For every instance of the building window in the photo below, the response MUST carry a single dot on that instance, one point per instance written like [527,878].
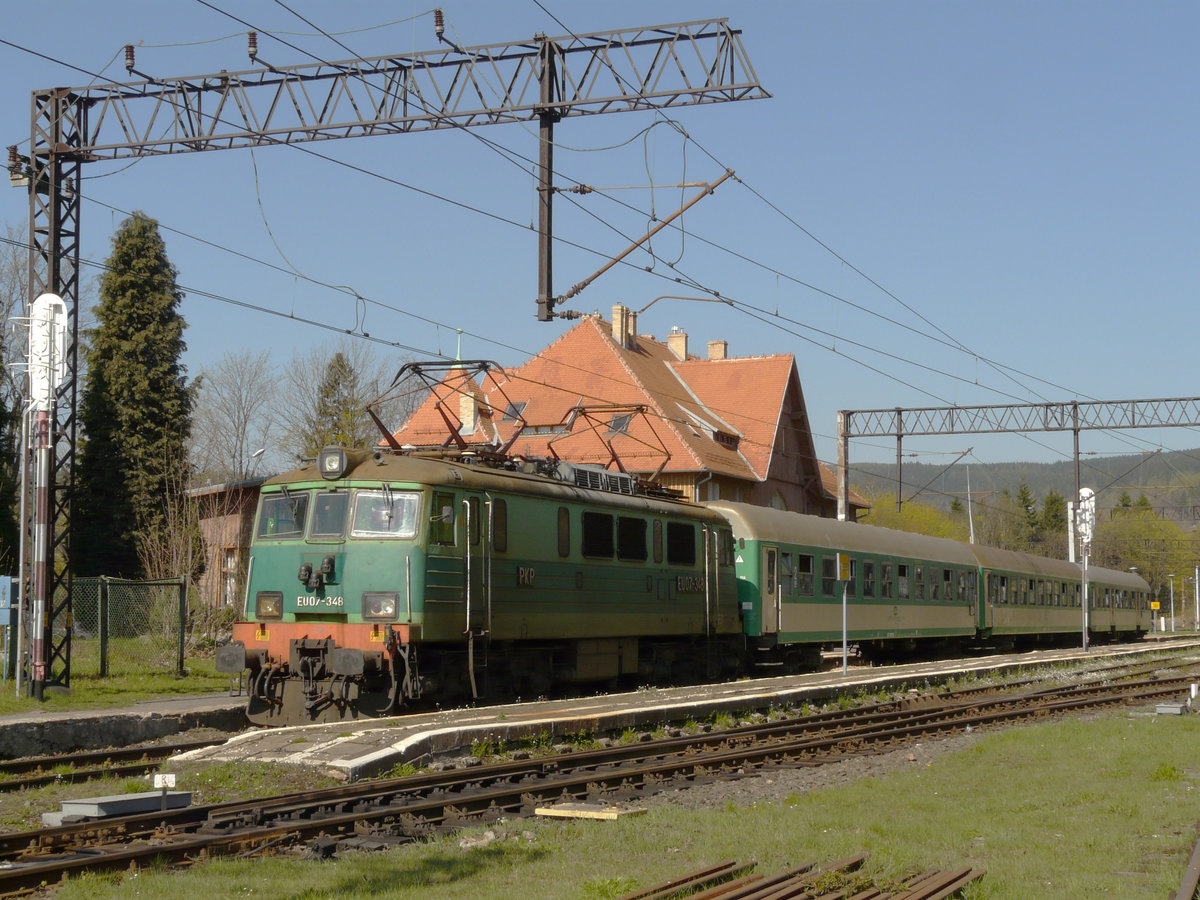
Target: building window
[620,423]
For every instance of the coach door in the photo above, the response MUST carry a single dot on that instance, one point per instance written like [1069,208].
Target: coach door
[770,590]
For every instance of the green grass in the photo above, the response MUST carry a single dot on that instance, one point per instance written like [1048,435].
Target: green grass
[1062,810]
[90,691]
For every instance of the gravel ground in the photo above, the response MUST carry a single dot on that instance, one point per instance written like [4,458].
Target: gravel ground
[773,785]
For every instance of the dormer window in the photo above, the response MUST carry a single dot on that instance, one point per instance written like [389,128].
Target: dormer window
[514,411]
[620,423]
[726,440]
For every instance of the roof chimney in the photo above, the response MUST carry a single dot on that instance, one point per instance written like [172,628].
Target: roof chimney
[718,349]
[620,323]
[466,412]
[677,341]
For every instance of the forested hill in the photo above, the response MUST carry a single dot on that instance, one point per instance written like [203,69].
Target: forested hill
[1168,479]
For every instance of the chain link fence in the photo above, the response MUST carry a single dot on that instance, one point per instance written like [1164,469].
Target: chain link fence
[124,627]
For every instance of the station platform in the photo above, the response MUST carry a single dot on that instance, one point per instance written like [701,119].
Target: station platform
[44,731]
[357,749]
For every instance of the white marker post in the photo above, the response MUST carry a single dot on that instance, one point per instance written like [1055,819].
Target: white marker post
[1085,521]
[164,781]
[843,573]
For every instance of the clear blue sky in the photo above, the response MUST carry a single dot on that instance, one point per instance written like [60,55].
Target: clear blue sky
[1021,175]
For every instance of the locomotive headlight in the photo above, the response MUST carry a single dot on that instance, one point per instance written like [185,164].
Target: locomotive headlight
[379,605]
[332,462]
[268,605]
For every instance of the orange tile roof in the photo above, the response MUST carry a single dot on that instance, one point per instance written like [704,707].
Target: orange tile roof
[685,402]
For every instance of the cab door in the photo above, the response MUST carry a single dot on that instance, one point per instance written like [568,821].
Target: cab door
[769,582]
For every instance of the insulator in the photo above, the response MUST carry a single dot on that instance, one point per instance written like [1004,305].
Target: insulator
[14,161]
[252,48]
[439,22]
[129,57]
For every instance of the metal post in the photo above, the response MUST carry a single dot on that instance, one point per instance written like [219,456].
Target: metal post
[1196,584]
[845,641]
[1171,579]
[19,675]
[1085,596]
[899,439]
[102,623]
[547,116]
[43,558]
[843,501]
[183,611]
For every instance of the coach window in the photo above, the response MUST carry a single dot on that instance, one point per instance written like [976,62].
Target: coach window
[868,579]
[852,584]
[631,538]
[885,590]
[829,576]
[442,531]
[1003,596]
[804,573]
[564,532]
[919,593]
[681,544]
[658,542]
[902,582]
[598,535]
[935,586]
[948,585]
[787,574]
[500,525]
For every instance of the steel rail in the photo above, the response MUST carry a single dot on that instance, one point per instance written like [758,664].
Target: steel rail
[411,809]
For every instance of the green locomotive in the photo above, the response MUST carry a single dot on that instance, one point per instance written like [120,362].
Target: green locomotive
[379,578]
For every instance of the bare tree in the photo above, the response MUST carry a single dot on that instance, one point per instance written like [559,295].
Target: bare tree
[237,418]
[303,384]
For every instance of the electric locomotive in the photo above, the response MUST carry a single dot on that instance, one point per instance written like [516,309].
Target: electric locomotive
[379,578]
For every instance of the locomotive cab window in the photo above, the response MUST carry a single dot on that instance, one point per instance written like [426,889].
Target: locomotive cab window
[681,544]
[283,515]
[442,525]
[329,514]
[385,514]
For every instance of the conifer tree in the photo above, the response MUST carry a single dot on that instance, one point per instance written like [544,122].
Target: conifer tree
[136,406]
[338,417]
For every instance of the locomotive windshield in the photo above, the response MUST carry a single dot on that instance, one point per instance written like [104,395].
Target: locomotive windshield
[329,514]
[283,515]
[389,514]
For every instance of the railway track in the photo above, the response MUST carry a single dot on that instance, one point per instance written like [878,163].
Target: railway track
[34,771]
[379,813]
